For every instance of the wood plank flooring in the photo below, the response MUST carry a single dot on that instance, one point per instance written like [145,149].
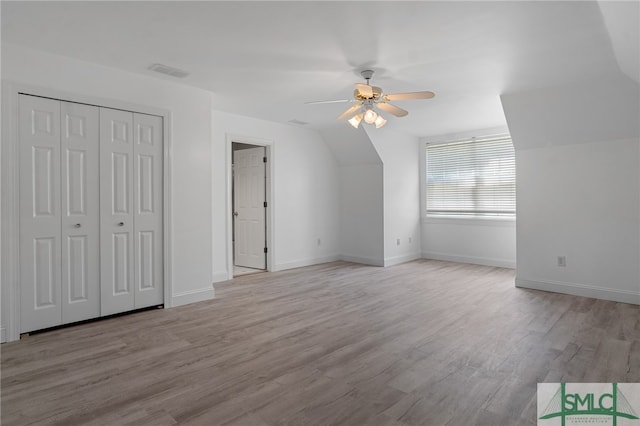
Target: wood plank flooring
[422,343]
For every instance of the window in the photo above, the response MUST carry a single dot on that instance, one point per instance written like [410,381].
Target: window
[471,178]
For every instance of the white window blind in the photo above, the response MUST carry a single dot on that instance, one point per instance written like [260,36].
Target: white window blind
[473,177]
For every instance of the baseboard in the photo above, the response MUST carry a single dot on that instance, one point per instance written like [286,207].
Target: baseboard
[487,261]
[220,276]
[364,260]
[583,290]
[193,296]
[3,335]
[304,262]
[396,260]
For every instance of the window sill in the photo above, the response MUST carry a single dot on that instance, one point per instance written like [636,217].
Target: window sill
[471,220]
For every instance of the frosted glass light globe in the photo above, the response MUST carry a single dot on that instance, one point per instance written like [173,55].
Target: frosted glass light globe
[370,116]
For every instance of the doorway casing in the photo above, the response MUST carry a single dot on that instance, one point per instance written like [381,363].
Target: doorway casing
[269,187]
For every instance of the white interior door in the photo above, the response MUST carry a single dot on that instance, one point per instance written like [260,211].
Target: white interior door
[80,233]
[147,194]
[249,209]
[116,208]
[40,216]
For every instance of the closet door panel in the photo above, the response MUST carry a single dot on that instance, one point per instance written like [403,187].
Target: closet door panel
[147,192]
[40,215]
[116,206]
[80,142]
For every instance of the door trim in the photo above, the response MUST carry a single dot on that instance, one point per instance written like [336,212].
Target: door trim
[9,185]
[270,222]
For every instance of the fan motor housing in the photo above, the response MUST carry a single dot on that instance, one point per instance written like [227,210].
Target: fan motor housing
[377,93]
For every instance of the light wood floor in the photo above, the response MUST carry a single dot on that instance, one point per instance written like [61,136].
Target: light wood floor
[425,342]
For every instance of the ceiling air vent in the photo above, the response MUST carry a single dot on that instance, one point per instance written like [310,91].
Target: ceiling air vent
[296,121]
[165,69]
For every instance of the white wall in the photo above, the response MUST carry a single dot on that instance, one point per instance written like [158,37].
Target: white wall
[362,214]
[361,196]
[489,242]
[621,20]
[483,241]
[401,191]
[306,196]
[578,187]
[190,159]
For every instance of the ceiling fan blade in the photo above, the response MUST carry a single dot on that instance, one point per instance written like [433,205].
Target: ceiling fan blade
[365,90]
[335,101]
[408,96]
[350,111]
[392,109]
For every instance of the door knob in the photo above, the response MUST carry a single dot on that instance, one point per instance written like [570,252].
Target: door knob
[120,223]
[235,214]
[77,225]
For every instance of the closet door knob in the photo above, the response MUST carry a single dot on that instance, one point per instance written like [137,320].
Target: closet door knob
[120,223]
[77,225]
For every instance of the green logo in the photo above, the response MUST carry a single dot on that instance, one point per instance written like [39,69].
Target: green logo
[565,404]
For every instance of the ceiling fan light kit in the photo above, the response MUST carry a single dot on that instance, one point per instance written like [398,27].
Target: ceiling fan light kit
[370,116]
[380,121]
[355,120]
[368,98]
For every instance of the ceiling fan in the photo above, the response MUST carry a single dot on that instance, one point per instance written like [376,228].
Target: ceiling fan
[370,98]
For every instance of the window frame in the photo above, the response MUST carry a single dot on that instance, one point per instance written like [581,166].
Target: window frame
[453,218]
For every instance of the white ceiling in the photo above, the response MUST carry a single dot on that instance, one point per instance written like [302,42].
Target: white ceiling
[265,59]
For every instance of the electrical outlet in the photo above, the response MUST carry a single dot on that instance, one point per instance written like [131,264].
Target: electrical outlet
[409,240]
[397,241]
[319,242]
[562,261]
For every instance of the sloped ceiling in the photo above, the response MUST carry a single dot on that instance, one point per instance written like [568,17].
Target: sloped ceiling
[350,146]
[265,59]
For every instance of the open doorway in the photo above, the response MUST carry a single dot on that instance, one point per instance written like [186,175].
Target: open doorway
[249,204]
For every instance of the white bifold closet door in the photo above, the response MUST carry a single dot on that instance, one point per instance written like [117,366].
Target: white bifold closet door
[59,224]
[131,210]
[90,211]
